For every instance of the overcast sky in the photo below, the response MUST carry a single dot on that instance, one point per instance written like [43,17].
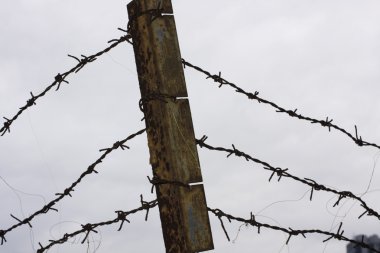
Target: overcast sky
[321,57]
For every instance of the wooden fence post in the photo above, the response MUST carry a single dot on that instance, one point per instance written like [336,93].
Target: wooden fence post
[173,152]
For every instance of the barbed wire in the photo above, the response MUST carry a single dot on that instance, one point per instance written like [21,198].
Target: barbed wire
[291,232]
[122,215]
[280,172]
[292,113]
[67,191]
[83,61]
[88,228]
[61,78]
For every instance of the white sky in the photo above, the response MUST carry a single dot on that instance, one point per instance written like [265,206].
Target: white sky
[321,57]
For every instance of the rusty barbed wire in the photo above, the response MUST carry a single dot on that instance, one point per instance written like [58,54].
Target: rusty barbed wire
[280,172]
[84,60]
[60,78]
[291,232]
[88,228]
[292,113]
[155,181]
[154,96]
[67,191]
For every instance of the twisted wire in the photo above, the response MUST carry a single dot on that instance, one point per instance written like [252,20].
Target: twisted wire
[67,191]
[83,61]
[90,228]
[280,172]
[292,113]
[291,232]
[61,78]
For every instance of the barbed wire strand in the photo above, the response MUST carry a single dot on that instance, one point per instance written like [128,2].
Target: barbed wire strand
[88,228]
[61,78]
[292,113]
[67,191]
[284,173]
[291,232]
[121,215]
[83,61]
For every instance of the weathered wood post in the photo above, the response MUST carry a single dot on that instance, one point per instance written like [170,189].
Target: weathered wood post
[173,152]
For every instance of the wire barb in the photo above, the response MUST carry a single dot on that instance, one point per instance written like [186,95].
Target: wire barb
[59,79]
[327,123]
[358,139]
[217,79]
[27,222]
[66,192]
[201,141]
[280,172]
[146,206]
[339,199]
[47,208]
[237,153]
[2,236]
[40,250]
[83,61]
[122,216]
[31,101]
[116,145]
[6,126]
[315,186]
[88,228]
[219,213]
